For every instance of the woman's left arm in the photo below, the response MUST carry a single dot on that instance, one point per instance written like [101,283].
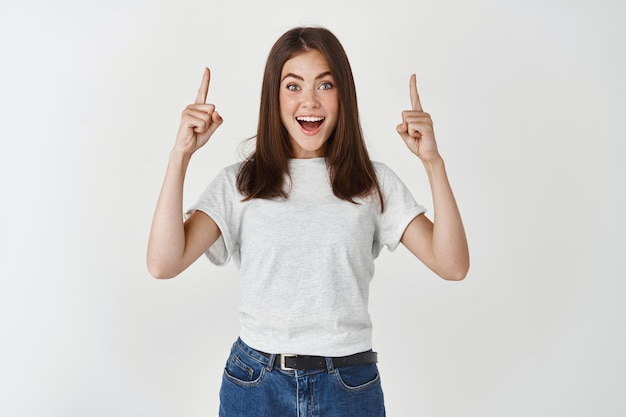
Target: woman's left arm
[441,245]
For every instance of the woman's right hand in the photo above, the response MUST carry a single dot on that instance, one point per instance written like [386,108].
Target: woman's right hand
[199,120]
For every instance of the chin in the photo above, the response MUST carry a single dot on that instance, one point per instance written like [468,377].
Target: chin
[308,150]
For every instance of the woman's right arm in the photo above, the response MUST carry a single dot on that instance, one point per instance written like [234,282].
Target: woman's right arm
[173,245]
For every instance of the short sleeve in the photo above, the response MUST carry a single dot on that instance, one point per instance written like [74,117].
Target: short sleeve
[400,209]
[219,201]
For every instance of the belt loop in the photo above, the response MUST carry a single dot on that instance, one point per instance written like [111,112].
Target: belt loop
[270,362]
[329,365]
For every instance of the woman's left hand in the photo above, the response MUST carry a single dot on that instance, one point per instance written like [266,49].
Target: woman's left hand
[416,128]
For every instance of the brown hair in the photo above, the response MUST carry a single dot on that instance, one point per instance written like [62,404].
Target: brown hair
[262,174]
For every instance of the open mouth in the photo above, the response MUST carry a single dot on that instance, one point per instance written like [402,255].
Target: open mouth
[310,123]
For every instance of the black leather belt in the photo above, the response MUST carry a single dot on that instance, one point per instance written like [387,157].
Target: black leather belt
[289,362]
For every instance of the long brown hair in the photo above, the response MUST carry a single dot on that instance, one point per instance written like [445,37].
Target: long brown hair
[352,175]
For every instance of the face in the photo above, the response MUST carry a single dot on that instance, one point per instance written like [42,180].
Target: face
[309,103]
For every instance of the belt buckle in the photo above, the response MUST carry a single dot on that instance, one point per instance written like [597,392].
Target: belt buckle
[284,356]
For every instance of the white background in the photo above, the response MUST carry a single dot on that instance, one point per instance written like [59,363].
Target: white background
[527,97]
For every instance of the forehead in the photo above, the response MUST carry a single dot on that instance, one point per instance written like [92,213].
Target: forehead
[308,62]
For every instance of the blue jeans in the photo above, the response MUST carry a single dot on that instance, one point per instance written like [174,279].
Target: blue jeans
[253,387]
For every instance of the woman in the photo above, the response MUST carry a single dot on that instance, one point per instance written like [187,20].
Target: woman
[304,217]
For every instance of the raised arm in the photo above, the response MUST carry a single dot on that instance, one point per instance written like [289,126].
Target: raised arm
[441,244]
[173,245]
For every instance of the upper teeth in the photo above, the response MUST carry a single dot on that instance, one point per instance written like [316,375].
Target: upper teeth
[309,119]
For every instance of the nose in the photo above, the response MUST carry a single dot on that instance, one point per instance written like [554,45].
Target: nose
[310,99]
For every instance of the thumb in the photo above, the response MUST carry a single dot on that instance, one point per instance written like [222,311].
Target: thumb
[217,120]
[403,130]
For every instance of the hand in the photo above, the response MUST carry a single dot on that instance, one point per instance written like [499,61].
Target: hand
[199,120]
[416,128]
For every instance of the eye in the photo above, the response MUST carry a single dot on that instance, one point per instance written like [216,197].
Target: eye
[293,87]
[326,86]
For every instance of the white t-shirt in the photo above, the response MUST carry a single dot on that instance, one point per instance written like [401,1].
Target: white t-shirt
[306,262]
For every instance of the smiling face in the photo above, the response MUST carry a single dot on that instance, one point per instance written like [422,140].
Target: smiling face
[309,103]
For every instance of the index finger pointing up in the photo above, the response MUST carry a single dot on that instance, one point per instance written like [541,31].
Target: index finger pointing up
[415,97]
[203,91]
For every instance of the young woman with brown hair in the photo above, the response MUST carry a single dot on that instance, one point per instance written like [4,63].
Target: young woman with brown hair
[303,217]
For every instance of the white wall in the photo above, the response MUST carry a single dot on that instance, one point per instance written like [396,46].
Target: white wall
[528,100]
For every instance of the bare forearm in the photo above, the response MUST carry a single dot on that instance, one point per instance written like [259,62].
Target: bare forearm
[449,243]
[441,245]
[173,244]
[166,244]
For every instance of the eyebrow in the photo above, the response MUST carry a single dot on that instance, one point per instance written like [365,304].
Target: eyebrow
[291,74]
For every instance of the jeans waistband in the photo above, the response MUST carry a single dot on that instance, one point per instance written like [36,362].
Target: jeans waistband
[291,362]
